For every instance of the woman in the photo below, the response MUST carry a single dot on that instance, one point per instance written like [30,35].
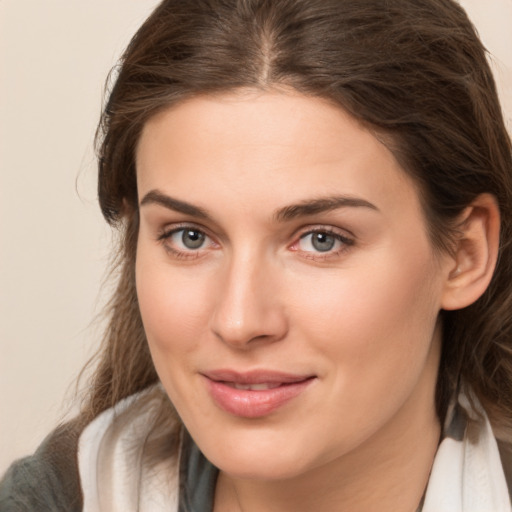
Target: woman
[315,206]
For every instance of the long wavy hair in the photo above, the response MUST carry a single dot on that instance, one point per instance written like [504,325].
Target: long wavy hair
[414,72]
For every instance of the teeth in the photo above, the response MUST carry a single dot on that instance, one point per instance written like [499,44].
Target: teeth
[254,387]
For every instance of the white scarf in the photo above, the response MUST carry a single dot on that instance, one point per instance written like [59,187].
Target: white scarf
[113,475]
[467,475]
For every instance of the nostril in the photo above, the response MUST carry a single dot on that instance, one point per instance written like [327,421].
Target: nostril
[245,313]
[247,335]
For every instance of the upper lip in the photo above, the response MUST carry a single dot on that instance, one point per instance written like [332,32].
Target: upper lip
[261,376]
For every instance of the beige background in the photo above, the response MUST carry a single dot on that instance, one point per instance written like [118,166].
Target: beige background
[54,57]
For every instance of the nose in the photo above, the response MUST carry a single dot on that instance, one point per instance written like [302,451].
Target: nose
[248,309]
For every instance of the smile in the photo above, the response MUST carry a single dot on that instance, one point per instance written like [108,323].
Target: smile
[254,394]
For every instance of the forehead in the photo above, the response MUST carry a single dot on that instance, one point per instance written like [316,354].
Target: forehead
[260,149]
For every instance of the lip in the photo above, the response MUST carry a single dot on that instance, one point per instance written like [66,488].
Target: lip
[247,403]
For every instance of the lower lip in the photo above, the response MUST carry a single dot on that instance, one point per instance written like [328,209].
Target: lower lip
[254,403]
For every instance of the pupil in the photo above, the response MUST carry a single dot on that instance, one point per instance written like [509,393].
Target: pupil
[323,242]
[192,239]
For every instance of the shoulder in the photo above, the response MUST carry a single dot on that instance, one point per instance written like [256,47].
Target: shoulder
[47,480]
[125,457]
[471,468]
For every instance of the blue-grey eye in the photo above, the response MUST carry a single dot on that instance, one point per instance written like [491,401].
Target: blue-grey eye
[188,239]
[319,241]
[323,242]
[192,238]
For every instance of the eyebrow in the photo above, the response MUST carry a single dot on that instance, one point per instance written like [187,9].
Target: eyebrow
[321,205]
[302,209]
[157,197]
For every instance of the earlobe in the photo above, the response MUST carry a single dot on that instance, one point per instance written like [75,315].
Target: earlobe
[475,255]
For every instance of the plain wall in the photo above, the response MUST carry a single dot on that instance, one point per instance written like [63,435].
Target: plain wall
[54,245]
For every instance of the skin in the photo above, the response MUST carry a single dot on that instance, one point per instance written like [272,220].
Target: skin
[361,318]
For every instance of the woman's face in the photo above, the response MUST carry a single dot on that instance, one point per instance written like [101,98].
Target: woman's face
[286,281]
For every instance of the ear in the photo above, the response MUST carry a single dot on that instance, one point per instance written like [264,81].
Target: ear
[476,253]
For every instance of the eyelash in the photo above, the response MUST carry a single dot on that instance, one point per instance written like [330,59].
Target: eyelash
[345,242]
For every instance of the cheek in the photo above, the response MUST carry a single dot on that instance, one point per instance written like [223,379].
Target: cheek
[172,307]
[375,322]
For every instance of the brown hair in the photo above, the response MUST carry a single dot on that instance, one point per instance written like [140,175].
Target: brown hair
[415,72]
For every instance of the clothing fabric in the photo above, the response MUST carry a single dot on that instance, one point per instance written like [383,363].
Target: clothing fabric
[126,463]
[48,480]
[122,468]
[467,474]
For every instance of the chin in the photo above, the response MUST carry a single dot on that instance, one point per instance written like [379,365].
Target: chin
[268,468]
[260,455]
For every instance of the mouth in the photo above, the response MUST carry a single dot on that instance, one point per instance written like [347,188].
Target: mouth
[252,387]
[254,394]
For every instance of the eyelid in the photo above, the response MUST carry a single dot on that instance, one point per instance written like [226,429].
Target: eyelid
[169,229]
[324,228]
